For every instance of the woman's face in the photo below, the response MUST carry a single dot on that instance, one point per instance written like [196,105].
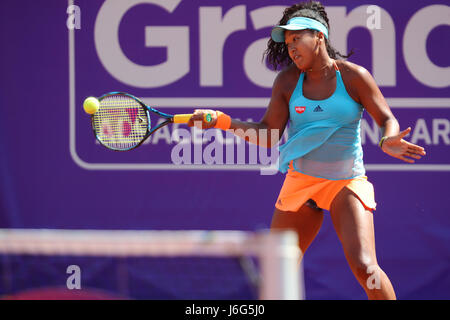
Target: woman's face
[303,47]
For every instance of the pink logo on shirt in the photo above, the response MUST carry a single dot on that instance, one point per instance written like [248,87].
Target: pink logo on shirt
[300,109]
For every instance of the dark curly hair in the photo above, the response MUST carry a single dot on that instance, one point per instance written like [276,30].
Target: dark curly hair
[277,53]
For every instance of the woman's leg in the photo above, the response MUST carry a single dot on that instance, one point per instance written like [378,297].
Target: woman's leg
[355,229]
[306,222]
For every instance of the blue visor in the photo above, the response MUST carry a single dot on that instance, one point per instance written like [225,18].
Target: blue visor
[298,23]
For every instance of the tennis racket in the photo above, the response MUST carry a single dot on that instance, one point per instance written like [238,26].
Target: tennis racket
[122,121]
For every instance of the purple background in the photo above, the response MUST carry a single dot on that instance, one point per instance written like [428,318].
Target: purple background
[42,187]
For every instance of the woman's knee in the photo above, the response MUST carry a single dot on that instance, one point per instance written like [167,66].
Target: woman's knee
[362,262]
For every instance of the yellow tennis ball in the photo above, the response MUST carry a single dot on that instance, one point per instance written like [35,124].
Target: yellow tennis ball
[91,105]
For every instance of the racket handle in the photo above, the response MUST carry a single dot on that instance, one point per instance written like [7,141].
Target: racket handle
[184,118]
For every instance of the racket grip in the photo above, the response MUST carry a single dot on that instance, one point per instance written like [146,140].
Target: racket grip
[184,118]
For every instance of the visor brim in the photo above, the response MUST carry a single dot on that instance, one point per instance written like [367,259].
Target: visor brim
[278,32]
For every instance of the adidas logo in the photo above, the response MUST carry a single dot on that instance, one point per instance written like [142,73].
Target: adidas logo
[318,109]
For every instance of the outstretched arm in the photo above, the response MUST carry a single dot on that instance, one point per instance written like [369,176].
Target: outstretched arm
[268,131]
[392,142]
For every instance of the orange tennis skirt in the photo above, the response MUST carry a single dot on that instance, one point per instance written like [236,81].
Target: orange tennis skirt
[298,188]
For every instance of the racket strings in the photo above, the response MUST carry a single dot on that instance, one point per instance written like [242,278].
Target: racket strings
[120,123]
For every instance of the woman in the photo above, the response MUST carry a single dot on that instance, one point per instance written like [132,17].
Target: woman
[323,98]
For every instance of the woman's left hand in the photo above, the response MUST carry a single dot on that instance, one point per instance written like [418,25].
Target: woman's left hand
[398,148]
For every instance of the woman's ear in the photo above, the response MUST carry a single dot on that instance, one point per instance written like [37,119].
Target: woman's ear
[321,36]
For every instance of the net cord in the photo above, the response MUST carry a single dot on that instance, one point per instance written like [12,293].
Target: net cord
[278,252]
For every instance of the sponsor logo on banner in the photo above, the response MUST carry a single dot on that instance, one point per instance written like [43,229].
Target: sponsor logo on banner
[178,56]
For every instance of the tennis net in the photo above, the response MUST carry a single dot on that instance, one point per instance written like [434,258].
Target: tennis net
[269,261]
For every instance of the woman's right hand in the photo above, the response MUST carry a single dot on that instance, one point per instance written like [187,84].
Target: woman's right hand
[198,119]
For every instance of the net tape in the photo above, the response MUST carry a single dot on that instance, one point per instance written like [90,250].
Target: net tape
[278,252]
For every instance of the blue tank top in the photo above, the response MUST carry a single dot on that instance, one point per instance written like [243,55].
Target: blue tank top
[324,135]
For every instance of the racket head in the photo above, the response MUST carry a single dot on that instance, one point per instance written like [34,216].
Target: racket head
[122,122]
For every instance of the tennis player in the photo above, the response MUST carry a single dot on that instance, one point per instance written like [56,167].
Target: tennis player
[323,99]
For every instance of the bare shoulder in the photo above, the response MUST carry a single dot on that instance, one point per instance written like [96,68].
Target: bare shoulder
[356,78]
[352,71]
[287,79]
